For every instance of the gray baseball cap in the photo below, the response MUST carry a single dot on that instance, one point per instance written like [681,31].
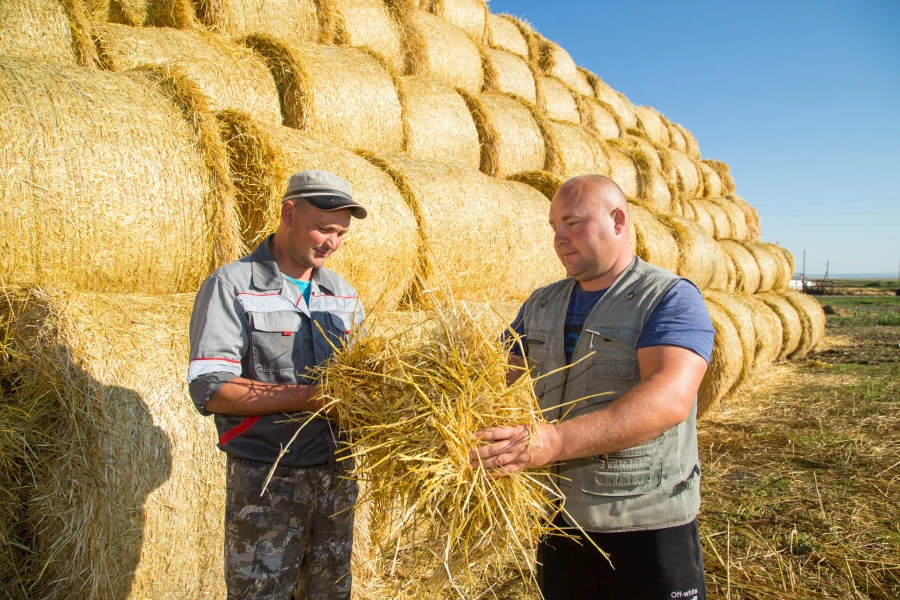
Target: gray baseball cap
[326,191]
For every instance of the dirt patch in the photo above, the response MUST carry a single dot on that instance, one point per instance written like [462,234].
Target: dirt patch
[862,346]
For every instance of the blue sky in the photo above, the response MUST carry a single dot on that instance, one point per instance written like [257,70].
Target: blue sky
[801,98]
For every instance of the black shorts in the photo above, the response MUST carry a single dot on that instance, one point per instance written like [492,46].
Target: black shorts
[646,565]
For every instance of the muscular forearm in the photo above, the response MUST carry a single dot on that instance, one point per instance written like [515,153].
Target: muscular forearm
[645,412]
[241,396]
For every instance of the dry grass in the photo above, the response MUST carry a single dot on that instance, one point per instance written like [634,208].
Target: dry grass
[38,29]
[410,405]
[294,20]
[477,231]
[682,172]
[379,255]
[543,181]
[129,171]
[800,486]
[344,95]
[437,123]
[230,76]
[123,488]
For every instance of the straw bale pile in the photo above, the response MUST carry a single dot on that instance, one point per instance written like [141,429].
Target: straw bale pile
[653,125]
[713,217]
[580,150]
[697,252]
[513,135]
[111,182]
[504,34]
[411,403]
[726,364]
[295,20]
[682,172]
[543,181]
[692,148]
[556,100]
[746,268]
[655,241]
[379,254]
[39,29]
[362,24]
[344,95]
[812,320]
[622,169]
[508,73]
[711,182]
[767,326]
[741,315]
[600,117]
[556,62]
[440,49]
[126,495]
[618,103]
[468,15]
[723,171]
[502,225]
[651,186]
[738,228]
[751,217]
[676,137]
[229,75]
[437,123]
[791,325]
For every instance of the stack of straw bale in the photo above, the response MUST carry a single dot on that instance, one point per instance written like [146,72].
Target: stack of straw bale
[507,73]
[111,181]
[468,15]
[344,95]
[295,20]
[363,24]
[230,76]
[380,253]
[126,486]
[504,33]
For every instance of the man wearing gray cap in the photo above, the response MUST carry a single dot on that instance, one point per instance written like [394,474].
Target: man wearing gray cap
[258,325]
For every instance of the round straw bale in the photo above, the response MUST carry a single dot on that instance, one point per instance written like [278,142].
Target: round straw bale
[712,183]
[511,133]
[505,228]
[507,73]
[653,189]
[737,220]
[294,20]
[362,24]
[230,76]
[468,15]
[769,264]
[343,95]
[767,326]
[741,315]
[543,181]
[616,100]
[653,125]
[379,254]
[439,49]
[676,137]
[750,216]
[724,173]
[791,326]
[746,267]
[622,169]
[812,319]
[580,151]
[785,266]
[126,497]
[437,123]
[696,251]
[721,221]
[131,165]
[56,31]
[651,152]
[556,100]
[504,34]
[692,148]
[681,172]
[701,215]
[726,363]
[655,241]
[600,117]
[685,208]
[583,84]
[724,274]
[556,62]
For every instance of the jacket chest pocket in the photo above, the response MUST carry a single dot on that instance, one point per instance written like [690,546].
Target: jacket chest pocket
[276,340]
[629,472]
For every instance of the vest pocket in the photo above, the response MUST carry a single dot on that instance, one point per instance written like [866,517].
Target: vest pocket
[274,339]
[618,369]
[630,472]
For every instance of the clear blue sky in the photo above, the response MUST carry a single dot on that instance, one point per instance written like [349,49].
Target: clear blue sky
[800,97]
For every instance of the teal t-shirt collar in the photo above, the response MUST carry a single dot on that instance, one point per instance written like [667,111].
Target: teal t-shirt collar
[304,287]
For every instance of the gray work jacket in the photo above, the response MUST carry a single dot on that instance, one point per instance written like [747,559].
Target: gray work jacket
[248,321]
[651,486]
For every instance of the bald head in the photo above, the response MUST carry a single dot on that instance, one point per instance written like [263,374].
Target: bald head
[589,216]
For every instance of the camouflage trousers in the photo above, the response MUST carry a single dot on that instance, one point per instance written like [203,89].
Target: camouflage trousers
[289,541]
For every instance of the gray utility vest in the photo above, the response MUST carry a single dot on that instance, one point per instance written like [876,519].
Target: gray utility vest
[651,486]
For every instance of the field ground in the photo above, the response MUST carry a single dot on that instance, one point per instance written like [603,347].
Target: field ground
[802,470]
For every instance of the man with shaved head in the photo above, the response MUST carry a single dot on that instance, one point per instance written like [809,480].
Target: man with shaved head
[618,348]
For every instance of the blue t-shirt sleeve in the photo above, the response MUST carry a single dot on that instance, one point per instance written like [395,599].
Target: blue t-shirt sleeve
[680,319]
[518,325]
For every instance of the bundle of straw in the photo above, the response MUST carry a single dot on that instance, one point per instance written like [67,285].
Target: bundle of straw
[437,123]
[653,125]
[737,218]
[655,240]
[726,364]
[362,24]
[697,256]
[556,100]
[504,34]
[712,217]
[791,325]
[556,62]
[231,76]
[543,181]
[724,173]
[507,73]
[681,171]
[112,182]
[39,29]
[344,95]
[616,100]
[284,19]
[812,319]
[410,404]
[741,315]
[600,117]
[692,148]
[751,217]
[580,150]
[651,185]
[712,183]
[468,15]
[676,137]
[747,269]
